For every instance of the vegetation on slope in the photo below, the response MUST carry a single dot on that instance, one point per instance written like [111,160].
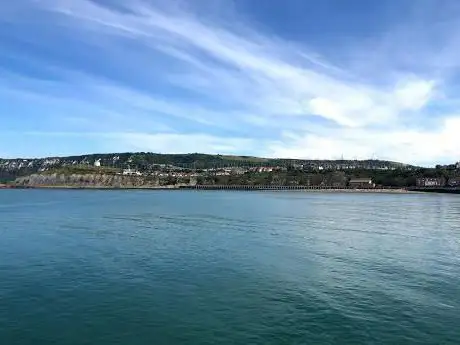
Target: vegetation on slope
[207,167]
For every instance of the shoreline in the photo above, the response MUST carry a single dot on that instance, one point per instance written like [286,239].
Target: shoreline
[409,190]
[210,188]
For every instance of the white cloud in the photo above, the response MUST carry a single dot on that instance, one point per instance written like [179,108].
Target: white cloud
[413,146]
[414,95]
[333,110]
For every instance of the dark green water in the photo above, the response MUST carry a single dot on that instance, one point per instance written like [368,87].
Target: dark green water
[133,267]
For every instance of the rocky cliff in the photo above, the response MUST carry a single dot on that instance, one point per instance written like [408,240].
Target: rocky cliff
[95,181]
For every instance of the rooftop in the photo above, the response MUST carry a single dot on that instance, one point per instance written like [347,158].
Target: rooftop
[362,179]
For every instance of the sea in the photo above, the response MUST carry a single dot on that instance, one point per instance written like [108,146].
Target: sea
[228,267]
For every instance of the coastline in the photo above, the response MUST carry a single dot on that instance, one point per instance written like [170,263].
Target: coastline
[242,188]
[210,188]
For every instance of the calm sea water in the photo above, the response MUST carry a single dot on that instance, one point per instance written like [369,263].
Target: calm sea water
[147,267]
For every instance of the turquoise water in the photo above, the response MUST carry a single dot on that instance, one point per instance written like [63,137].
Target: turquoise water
[187,267]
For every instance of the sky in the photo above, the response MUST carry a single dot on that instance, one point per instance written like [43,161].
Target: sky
[326,79]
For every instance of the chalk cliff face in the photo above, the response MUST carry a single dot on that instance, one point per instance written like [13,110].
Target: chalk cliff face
[94,181]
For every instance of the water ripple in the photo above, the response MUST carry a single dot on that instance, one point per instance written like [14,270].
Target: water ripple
[154,267]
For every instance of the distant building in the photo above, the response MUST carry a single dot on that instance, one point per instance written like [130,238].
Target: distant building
[130,172]
[431,182]
[265,169]
[97,163]
[454,182]
[361,183]
[238,171]
[457,166]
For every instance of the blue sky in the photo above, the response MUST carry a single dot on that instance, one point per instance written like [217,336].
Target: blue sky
[291,78]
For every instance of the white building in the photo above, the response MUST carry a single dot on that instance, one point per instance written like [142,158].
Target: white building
[97,163]
[130,172]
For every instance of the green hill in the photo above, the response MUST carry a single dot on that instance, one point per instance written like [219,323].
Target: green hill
[144,161]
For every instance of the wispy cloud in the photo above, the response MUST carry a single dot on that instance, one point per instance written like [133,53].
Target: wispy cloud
[177,82]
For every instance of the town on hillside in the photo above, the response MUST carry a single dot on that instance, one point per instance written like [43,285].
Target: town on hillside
[201,169]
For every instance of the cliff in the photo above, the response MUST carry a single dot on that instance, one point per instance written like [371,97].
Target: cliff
[96,181]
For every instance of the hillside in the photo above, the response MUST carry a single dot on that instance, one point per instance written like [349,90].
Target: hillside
[142,161]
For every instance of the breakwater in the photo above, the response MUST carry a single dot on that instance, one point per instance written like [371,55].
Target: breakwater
[281,187]
[448,190]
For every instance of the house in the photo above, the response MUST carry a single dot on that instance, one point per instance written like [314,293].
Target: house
[431,182]
[129,172]
[97,163]
[454,182]
[265,169]
[238,171]
[361,183]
